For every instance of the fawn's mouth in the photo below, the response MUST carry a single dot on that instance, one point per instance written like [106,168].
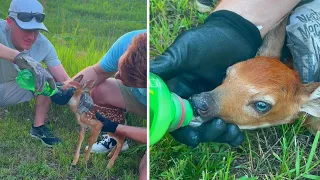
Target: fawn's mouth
[203,109]
[203,106]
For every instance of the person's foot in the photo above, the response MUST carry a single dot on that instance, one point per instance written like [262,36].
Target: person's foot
[45,135]
[204,6]
[106,144]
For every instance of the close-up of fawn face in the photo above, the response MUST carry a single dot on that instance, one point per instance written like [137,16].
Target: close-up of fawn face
[259,92]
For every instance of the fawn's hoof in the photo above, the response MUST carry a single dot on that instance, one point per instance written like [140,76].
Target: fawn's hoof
[109,166]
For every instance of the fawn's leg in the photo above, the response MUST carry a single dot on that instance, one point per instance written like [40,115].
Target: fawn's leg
[95,130]
[77,153]
[120,140]
[112,151]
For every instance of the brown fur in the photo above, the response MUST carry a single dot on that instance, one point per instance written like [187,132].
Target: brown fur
[266,77]
[263,78]
[89,120]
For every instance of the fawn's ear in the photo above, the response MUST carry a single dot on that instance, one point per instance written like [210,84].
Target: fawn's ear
[88,85]
[79,78]
[311,93]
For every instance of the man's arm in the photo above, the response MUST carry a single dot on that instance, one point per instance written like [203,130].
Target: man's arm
[135,133]
[8,53]
[59,73]
[94,72]
[24,61]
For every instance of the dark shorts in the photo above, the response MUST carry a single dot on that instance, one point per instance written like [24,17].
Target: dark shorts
[132,103]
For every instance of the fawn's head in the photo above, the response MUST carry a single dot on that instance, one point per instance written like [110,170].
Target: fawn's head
[259,92]
[80,88]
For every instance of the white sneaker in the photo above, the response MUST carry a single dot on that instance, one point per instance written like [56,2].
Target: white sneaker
[106,144]
[204,6]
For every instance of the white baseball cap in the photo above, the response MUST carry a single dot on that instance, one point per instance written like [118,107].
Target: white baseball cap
[27,6]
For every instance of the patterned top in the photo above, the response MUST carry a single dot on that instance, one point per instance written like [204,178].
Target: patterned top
[112,113]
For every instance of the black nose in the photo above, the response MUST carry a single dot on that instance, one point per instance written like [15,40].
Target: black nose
[200,103]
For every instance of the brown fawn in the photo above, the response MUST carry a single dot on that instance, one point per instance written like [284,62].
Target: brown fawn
[88,120]
[261,91]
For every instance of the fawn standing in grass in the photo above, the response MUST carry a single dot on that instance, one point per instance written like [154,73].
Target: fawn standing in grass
[85,111]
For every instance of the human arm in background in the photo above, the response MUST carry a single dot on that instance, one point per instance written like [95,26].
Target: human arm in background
[24,61]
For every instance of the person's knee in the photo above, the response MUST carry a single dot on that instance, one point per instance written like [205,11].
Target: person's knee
[107,92]
[100,92]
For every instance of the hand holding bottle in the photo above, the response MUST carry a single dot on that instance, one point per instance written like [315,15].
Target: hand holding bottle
[40,74]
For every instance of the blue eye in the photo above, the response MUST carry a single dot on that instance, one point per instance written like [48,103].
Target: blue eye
[262,107]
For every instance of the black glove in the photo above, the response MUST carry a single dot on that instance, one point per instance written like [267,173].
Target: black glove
[197,60]
[63,96]
[40,74]
[211,131]
[108,126]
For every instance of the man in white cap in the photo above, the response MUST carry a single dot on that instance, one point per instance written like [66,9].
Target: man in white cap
[22,44]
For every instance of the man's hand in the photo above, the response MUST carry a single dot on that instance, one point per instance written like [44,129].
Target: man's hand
[63,95]
[211,131]
[40,74]
[108,126]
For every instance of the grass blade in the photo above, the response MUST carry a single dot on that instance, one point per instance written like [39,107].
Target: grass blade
[313,149]
[309,176]
[297,161]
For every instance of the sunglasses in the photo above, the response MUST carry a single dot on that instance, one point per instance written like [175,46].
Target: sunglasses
[27,17]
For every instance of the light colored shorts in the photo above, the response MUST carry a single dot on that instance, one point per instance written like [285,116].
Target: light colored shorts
[11,93]
[132,103]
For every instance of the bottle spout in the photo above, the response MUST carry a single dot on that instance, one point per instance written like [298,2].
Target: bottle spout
[167,110]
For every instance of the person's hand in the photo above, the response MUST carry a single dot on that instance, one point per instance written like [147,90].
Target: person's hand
[108,125]
[63,95]
[40,74]
[215,130]
[198,58]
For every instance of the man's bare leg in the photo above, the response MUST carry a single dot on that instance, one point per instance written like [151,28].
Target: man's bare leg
[108,93]
[42,107]
[39,130]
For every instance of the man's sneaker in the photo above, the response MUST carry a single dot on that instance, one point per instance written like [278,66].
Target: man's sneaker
[106,144]
[204,6]
[45,135]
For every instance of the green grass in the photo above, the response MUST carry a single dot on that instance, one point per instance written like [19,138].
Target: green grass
[82,32]
[283,152]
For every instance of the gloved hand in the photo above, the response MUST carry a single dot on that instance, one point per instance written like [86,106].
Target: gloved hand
[198,58]
[197,62]
[63,96]
[211,131]
[40,74]
[108,126]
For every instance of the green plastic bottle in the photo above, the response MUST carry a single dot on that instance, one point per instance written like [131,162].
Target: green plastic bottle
[167,110]
[25,80]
